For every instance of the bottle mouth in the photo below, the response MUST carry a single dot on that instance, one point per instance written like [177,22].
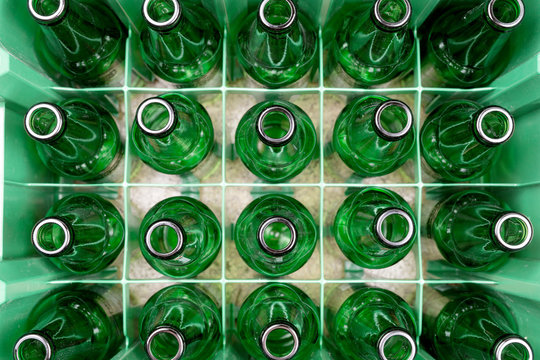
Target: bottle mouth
[162,14]
[165,239]
[513,231]
[494,125]
[277,236]
[51,236]
[276,126]
[396,344]
[392,15]
[505,14]
[513,344]
[277,15]
[393,120]
[156,117]
[47,12]
[23,345]
[388,226]
[278,336]
[44,122]
[161,338]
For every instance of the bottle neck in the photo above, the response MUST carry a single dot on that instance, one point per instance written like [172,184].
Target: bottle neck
[396,344]
[493,126]
[391,15]
[277,16]
[392,120]
[156,117]
[165,239]
[393,228]
[165,342]
[276,126]
[512,347]
[272,340]
[34,346]
[162,15]
[504,15]
[277,236]
[511,231]
[48,13]
[45,122]
[53,237]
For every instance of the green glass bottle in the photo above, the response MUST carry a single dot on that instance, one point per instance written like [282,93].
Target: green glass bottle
[81,233]
[498,232]
[460,139]
[180,43]
[375,228]
[73,324]
[466,45]
[275,235]
[463,324]
[180,322]
[374,46]
[278,322]
[172,133]
[374,135]
[277,45]
[180,237]
[276,140]
[80,42]
[77,139]
[371,324]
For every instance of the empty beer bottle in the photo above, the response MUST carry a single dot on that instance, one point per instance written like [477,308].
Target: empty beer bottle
[466,43]
[375,46]
[498,232]
[180,43]
[180,322]
[180,237]
[460,139]
[277,45]
[463,324]
[370,324]
[276,140]
[375,228]
[73,324]
[374,135]
[172,133]
[77,139]
[80,42]
[278,322]
[275,235]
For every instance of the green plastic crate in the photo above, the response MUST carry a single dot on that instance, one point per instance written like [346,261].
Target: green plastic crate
[29,189]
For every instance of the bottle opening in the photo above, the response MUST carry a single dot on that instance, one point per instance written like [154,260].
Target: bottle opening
[165,239]
[394,228]
[32,347]
[505,14]
[494,125]
[162,14]
[397,345]
[156,117]
[44,122]
[393,120]
[277,15]
[513,347]
[276,126]
[165,343]
[392,14]
[47,11]
[280,341]
[277,235]
[51,236]
[513,231]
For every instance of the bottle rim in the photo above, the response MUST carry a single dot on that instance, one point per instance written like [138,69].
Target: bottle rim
[279,27]
[167,330]
[57,15]
[379,128]
[390,334]
[282,325]
[277,219]
[60,121]
[33,336]
[508,216]
[511,340]
[55,221]
[170,122]
[387,25]
[480,131]
[181,237]
[381,217]
[505,25]
[163,25]
[285,139]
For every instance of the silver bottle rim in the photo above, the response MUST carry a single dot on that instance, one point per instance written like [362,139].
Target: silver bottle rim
[390,334]
[503,25]
[170,122]
[167,330]
[40,338]
[513,215]
[55,221]
[378,120]
[268,222]
[179,245]
[379,224]
[162,24]
[285,139]
[480,119]
[511,340]
[280,326]
[47,18]
[59,121]
[392,25]
[279,27]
